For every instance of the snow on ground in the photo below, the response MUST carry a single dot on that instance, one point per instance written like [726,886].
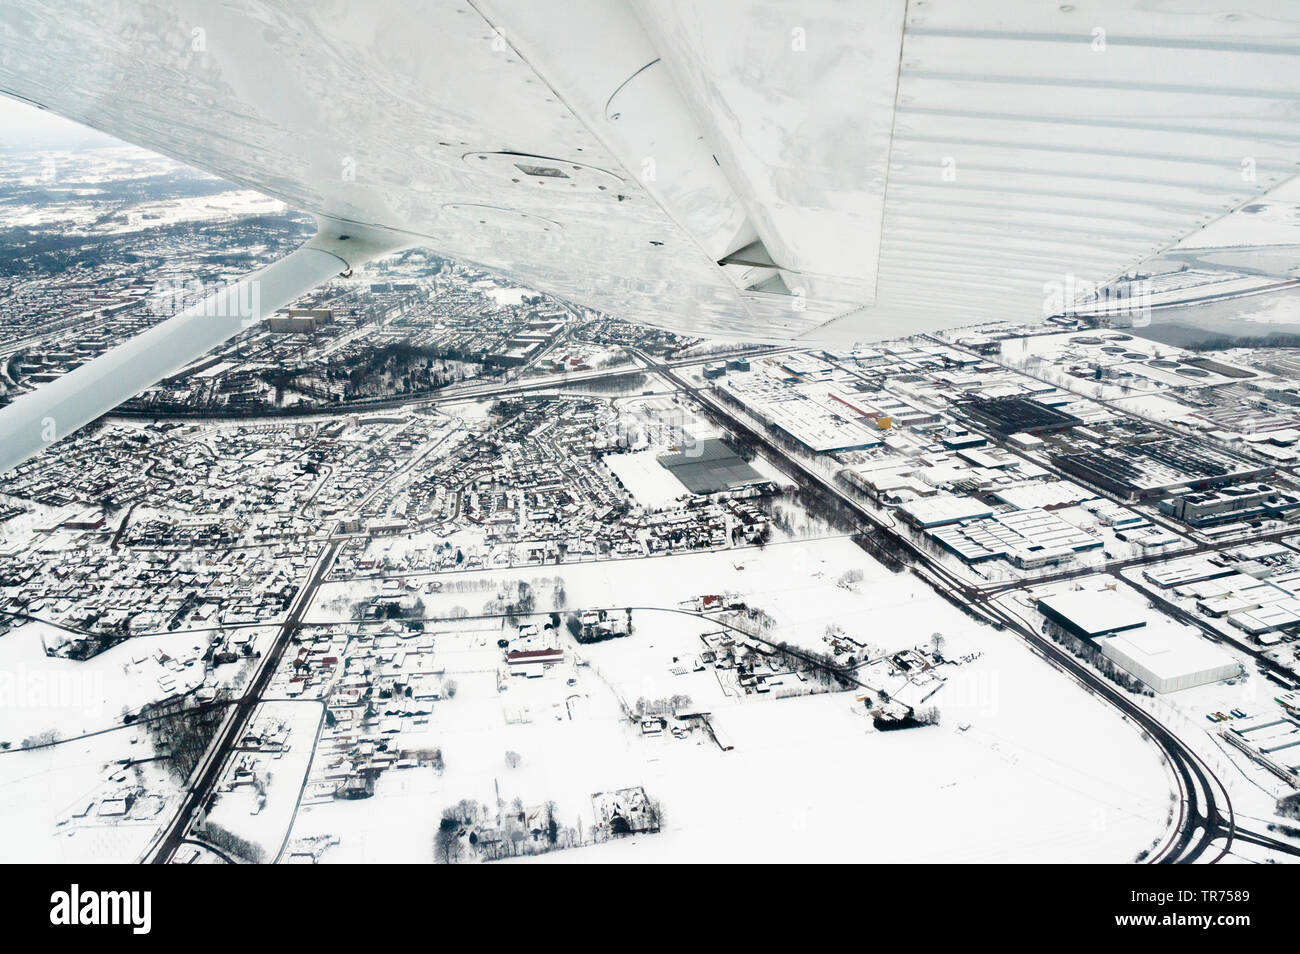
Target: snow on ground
[806,779]
[507,296]
[262,813]
[795,582]
[1253,789]
[395,826]
[771,472]
[649,482]
[41,791]
[658,426]
[1042,768]
[1039,767]
[39,692]
[1155,408]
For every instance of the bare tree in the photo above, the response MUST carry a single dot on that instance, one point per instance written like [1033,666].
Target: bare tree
[552,825]
[447,846]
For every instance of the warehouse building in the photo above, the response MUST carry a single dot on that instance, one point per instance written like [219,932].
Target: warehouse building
[1168,657]
[812,415]
[1157,467]
[1089,614]
[942,509]
[1271,740]
[1016,415]
[1165,655]
[1183,572]
[1028,538]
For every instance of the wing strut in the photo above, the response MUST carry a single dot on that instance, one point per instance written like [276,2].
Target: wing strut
[35,421]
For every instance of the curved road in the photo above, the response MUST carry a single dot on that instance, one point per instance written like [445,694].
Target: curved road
[1206,815]
[1205,818]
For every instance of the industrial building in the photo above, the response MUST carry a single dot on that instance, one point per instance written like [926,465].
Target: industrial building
[942,509]
[1157,467]
[1016,415]
[1182,572]
[1168,657]
[1260,597]
[1028,538]
[1045,494]
[1165,655]
[810,414]
[955,437]
[1089,614]
[299,320]
[710,467]
[1244,502]
[1272,740]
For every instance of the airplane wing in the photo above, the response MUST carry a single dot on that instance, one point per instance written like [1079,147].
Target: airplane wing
[831,170]
[54,410]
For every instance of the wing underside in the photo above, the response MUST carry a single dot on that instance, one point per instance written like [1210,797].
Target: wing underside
[742,168]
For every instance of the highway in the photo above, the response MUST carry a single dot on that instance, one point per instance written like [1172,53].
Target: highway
[236,721]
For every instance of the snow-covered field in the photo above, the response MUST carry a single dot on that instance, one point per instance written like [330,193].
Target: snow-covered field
[40,693]
[1024,764]
[796,582]
[42,791]
[261,813]
[645,478]
[1042,771]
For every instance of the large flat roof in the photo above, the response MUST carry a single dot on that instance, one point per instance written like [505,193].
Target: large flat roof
[1092,612]
[710,467]
[1170,654]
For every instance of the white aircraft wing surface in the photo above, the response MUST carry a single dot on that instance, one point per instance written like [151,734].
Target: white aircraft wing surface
[826,170]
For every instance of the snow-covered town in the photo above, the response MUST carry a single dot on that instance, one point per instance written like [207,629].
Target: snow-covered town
[427,606]
[543,548]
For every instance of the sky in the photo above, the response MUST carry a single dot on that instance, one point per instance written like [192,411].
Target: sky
[23,126]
